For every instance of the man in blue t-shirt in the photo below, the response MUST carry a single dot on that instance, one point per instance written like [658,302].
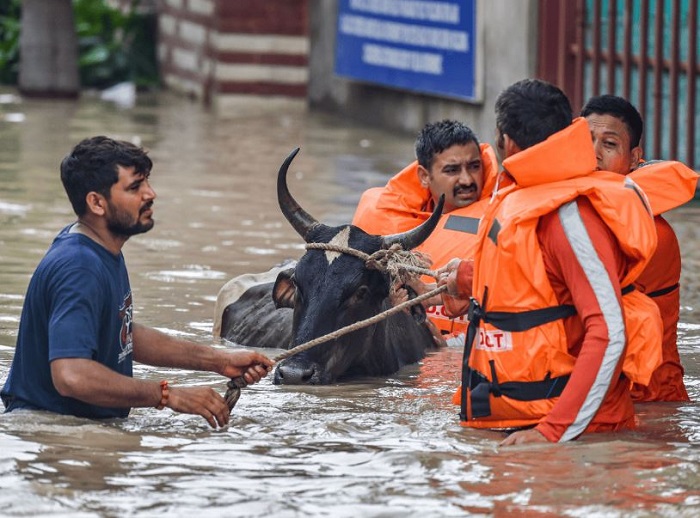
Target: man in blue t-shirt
[77,336]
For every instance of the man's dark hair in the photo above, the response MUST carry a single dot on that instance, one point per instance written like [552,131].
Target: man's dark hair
[621,109]
[92,166]
[436,137]
[531,110]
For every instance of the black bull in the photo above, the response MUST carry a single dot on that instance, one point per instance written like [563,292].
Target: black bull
[321,293]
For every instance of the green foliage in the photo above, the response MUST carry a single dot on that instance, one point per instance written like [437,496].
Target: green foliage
[9,40]
[113,46]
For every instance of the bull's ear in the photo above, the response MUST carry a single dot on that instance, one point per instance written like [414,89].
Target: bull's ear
[284,291]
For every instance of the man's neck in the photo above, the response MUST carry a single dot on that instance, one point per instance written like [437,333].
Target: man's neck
[100,235]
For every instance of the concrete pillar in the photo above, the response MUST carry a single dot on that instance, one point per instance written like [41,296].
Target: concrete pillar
[48,64]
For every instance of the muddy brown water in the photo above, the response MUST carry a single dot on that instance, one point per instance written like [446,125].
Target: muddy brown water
[378,447]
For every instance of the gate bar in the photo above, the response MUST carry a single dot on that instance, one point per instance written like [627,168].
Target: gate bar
[690,82]
[612,49]
[643,53]
[673,80]
[658,71]
[627,51]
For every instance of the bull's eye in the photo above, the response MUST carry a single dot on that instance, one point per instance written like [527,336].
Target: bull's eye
[361,294]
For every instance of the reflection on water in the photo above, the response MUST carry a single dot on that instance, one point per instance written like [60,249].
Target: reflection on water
[383,447]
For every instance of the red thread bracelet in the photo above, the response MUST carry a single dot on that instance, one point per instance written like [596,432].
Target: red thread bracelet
[164,395]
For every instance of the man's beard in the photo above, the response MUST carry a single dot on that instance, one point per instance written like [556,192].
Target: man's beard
[120,223]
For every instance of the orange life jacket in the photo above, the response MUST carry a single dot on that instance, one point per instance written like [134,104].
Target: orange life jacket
[668,185]
[519,360]
[454,236]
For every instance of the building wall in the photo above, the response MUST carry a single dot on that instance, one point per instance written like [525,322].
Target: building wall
[506,41]
[265,51]
[221,50]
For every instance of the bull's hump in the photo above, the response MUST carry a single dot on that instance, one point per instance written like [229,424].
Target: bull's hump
[341,239]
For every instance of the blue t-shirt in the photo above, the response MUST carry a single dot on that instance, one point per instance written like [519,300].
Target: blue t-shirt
[78,305]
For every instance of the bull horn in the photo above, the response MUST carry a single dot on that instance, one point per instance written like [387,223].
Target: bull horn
[301,220]
[414,237]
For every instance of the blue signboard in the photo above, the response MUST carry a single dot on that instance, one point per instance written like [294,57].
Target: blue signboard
[421,45]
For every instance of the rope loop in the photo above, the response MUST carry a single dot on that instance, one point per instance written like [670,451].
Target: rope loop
[394,260]
[383,259]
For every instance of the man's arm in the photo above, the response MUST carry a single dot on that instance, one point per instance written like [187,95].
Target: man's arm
[153,347]
[91,382]
[583,264]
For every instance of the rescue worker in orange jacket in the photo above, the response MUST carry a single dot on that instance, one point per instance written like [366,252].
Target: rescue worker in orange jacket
[547,338]
[616,129]
[450,161]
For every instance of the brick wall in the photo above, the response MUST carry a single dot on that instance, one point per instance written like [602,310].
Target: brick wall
[217,49]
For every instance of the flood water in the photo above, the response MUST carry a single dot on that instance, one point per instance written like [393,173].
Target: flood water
[382,447]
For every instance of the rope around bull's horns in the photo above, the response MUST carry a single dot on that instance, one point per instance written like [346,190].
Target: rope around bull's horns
[394,260]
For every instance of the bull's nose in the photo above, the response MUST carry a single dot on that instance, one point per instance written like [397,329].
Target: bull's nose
[294,374]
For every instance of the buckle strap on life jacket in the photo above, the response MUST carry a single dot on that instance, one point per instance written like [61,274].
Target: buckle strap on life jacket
[663,291]
[656,293]
[474,314]
[524,320]
[478,388]
[482,388]
[476,385]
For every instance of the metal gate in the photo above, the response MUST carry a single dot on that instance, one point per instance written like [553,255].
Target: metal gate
[643,50]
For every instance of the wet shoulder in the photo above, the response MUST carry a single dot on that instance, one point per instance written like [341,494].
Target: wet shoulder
[74,251]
